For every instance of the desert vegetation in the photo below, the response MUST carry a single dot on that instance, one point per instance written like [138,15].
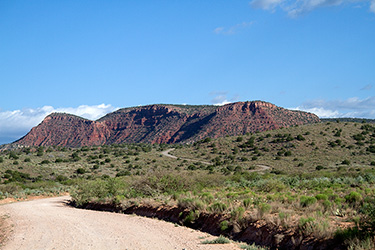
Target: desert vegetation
[318,191]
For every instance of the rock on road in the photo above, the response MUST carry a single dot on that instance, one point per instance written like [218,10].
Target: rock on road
[51,224]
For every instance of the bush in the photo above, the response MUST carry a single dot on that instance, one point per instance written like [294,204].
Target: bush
[238,213]
[224,225]
[321,197]
[288,153]
[263,208]
[304,221]
[190,203]
[120,173]
[189,219]
[300,138]
[220,240]
[218,207]
[13,155]
[89,191]
[319,167]
[353,198]
[247,202]
[61,178]
[306,201]
[346,162]
[80,171]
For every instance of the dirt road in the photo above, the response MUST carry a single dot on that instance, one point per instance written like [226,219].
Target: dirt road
[166,153]
[51,224]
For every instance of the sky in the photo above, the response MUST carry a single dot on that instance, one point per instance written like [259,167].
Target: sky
[92,57]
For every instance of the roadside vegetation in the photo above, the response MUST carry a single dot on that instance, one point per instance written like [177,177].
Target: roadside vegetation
[320,186]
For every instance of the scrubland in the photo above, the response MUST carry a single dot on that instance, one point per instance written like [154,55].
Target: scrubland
[319,190]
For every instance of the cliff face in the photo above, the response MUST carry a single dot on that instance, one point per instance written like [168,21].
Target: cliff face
[163,124]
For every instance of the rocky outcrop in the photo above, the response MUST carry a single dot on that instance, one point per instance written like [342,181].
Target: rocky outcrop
[163,124]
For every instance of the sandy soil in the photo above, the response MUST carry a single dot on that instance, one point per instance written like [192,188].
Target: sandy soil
[51,224]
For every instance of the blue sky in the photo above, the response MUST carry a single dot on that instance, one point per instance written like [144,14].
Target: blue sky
[92,57]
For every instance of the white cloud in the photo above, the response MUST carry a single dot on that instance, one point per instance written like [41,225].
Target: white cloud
[222,99]
[368,86]
[219,30]
[321,112]
[301,7]
[265,4]
[351,107]
[295,8]
[15,124]
[233,29]
[372,6]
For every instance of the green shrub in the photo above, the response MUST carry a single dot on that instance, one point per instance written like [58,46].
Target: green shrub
[306,201]
[346,162]
[238,213]
[220,240]
[13,155]
[88,191]
[263,208]
[218,207]
[207,197]
[321,197]
[80,171]
[306,225]
[247,202]
[189,219]
[353,197]
[288,153]
[271,185]
[224,225]
[190,203]
[251,247]
[327,204]
[300,138]
[319,167]
[120,173]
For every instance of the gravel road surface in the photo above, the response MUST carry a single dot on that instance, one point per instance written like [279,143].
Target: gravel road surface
[51,224]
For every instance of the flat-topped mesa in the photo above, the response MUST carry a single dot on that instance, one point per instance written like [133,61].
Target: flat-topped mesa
[162,123]
[62,129]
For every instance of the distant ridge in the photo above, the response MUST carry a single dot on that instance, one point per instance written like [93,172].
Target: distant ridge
[163,123]
[348,119]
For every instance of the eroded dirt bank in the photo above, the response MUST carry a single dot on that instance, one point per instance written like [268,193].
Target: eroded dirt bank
[257,232]
[51,224]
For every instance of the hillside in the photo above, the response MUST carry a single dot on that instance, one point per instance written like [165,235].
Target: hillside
[163,124]
[321,183]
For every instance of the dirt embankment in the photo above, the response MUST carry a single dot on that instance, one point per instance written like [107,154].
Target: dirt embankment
[51,224]
[258,232]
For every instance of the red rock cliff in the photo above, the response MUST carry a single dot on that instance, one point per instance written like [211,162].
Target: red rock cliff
[163,124]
